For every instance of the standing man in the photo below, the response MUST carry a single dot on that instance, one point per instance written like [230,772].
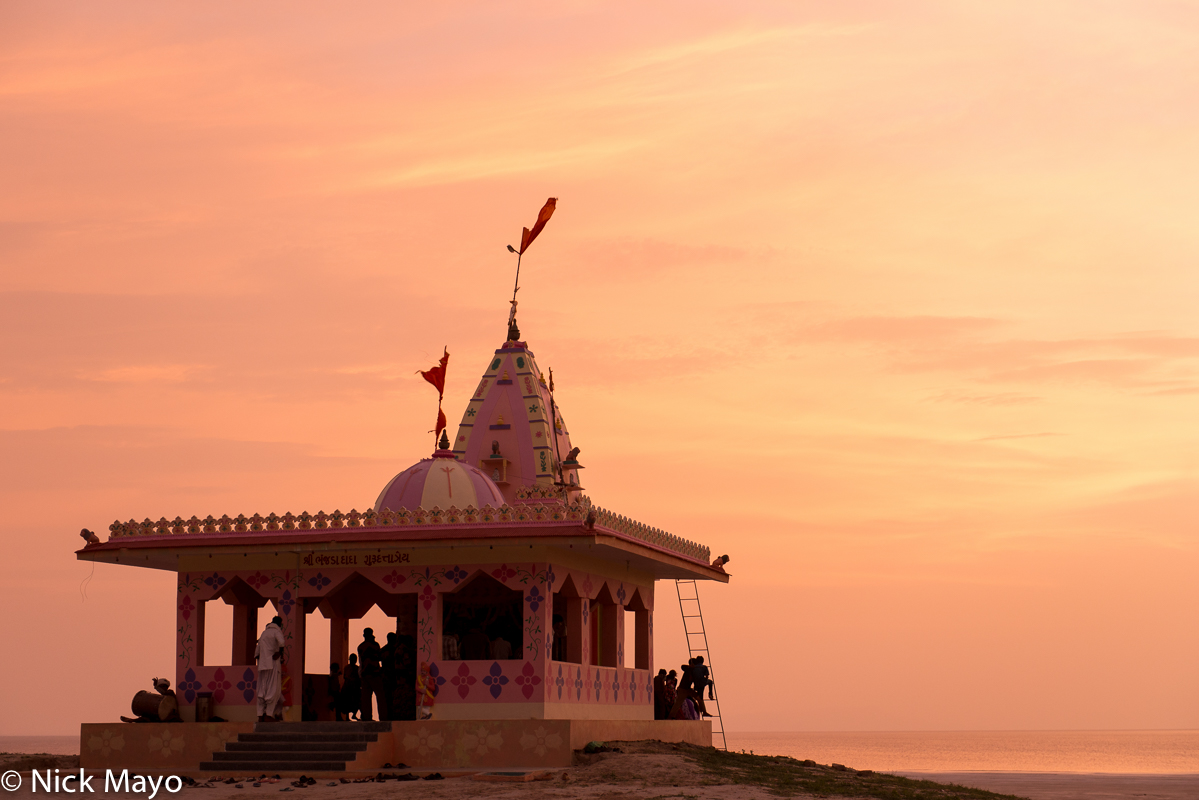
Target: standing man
[369,656]
[269,655]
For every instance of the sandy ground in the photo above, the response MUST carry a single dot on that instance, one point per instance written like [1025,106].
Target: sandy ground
[1072,785]
[648,772]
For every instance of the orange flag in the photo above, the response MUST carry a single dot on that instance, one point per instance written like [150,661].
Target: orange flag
[436,376]
[543,217]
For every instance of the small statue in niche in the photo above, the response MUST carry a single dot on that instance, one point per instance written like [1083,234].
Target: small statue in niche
[495,474]
[500,421]
[573,455]
[495,447]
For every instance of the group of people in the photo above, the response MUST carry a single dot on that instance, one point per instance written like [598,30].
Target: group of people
[384,674]
[490,633]
[683,699]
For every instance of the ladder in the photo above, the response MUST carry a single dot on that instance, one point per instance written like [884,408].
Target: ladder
[697,645]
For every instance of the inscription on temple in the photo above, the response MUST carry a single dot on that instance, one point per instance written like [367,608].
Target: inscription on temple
[354,559]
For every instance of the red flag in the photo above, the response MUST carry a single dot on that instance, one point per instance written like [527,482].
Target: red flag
[440,423]
[436,376]
[543,217]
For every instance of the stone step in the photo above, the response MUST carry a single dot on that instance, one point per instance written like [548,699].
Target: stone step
[270,767]
[284,755]
[307,747]
[321,727]
[281,738]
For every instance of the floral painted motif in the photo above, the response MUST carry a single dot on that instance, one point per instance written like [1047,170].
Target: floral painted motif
[496,680]
[464,680]
[164,743]
[534,598]
[189,686]
[217,738]
[215,581]
[527,679]
[423,741]
[578,683]
[436,679]
[540,740]
[559,682]
[258,580]
[248,685]
[218,685]
[286,602]
[598,685]
[480,740]
[615,686]
[587,587]
[503,573]
[319,581]
[107,742]
[394,579]
[456,574]
[186,607]
[550,577]
[620,594]
[620,654]
[427,597]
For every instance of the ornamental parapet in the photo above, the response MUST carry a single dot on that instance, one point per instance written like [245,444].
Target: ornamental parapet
[535,506]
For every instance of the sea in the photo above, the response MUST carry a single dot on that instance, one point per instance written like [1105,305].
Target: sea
[1135,752]
[1128,752]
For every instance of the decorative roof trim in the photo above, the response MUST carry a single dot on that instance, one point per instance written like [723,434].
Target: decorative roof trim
[534,504]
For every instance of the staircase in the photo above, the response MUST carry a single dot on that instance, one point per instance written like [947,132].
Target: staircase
[697,645]
[296,747]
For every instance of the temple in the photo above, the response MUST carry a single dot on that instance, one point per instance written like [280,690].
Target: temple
[491,536]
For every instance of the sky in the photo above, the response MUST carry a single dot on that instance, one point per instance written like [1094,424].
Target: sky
[894,303]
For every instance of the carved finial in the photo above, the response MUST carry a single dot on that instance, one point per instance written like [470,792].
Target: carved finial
[444,444]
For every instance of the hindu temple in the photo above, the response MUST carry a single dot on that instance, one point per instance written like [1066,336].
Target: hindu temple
[492,532]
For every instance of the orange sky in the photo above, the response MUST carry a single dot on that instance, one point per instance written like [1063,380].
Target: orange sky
[894,305]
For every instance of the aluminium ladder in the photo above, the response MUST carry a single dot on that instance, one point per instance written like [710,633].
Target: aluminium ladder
[697,645]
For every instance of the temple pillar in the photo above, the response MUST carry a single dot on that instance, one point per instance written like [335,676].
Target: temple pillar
[199,634]
[574,629]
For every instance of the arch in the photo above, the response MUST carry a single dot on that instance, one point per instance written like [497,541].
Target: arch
[481,619]
[566,623]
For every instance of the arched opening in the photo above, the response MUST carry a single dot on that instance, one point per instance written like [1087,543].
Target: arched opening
[604,627]
[636,649]
[566,625]
[481,620]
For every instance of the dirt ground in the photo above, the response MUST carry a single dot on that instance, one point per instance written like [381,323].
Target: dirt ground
[656,771]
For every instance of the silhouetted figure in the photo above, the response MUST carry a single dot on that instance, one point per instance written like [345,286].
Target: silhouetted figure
[660,709]
[269,655]
[369,654]
[333,690]
[559,644]
[350,699]
[702,677]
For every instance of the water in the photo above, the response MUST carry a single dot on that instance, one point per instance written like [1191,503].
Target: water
[57,745]
[1157,752]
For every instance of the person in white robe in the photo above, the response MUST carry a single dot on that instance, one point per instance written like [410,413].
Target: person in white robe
[269,655]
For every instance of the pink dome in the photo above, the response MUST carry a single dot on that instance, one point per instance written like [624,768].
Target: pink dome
[440,481]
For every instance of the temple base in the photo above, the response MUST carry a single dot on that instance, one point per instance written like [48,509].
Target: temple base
[355,747]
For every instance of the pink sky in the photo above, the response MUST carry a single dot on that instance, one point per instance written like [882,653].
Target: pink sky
[894,305]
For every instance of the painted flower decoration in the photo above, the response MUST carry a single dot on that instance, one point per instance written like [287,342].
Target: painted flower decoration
[248,685]
[218,685]
[598,685]
[258,580]
[423,741]
[217,738]
[615,687]
[579,683]
[286,602]
[319,581]
[215,581]
[496,680]
[189,685]
[620,653]
[503,573]
[620,594]
[164,743]
[457,574]
[535,598]
[540,740]
[106,742]
[527,679]
[436,679]
[482,740]
[550,577]
[394,579]
[186,607]
[464,680]
[587,587]
[427,598]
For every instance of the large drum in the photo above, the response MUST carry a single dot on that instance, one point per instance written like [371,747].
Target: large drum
[152,705]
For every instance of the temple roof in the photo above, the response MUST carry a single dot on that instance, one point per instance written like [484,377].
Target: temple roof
[512,429]
[439,482]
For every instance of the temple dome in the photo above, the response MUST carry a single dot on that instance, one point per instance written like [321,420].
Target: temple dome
[440,481]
